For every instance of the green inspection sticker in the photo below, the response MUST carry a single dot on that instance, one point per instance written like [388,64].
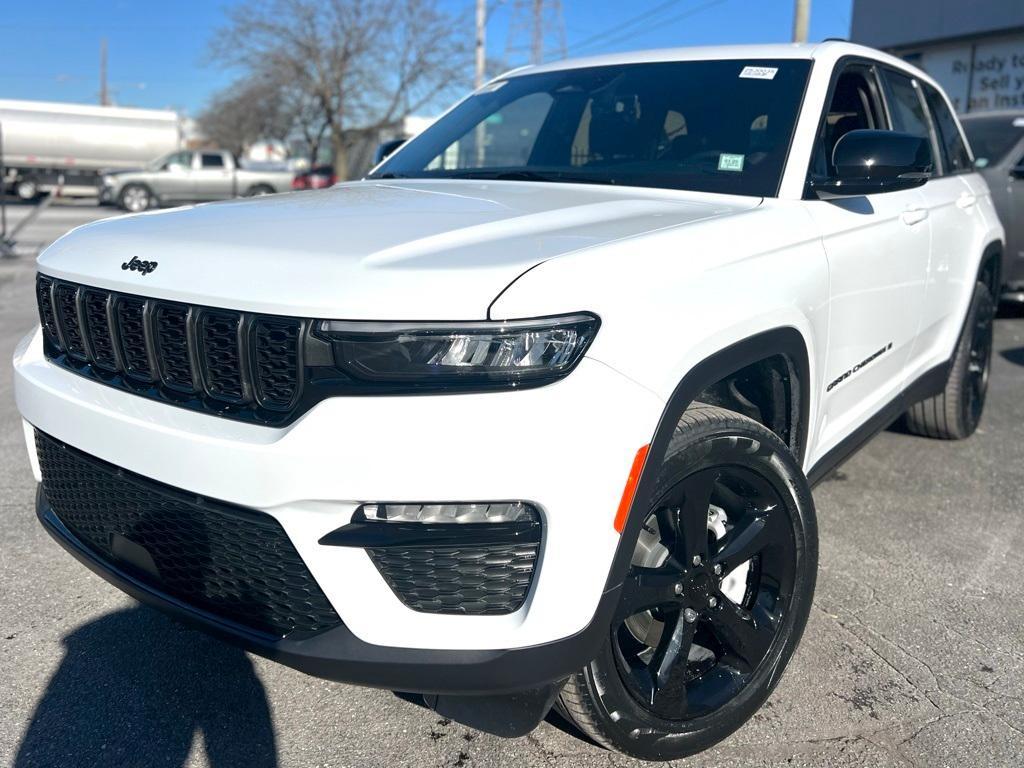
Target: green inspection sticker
[730,162]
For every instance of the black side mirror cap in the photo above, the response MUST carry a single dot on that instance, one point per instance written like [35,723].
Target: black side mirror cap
[870,161]
[1017,172]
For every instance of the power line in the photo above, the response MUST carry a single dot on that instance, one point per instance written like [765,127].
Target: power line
[663,22]
[618,28]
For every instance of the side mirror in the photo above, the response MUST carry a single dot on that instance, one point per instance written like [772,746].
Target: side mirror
[175,167]
[869,161]
[385,149]
[1017,171]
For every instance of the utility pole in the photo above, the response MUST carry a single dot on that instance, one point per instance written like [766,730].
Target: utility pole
[104,97]
[481,43]
[801,20]
[480,74]
[539,21]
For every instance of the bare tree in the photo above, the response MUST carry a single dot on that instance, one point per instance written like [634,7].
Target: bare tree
[355,66]
[246,111]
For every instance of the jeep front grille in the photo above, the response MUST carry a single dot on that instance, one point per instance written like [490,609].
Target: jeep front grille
[234,364]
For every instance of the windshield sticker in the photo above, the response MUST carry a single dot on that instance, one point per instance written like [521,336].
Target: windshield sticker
[759,73]
[730,162]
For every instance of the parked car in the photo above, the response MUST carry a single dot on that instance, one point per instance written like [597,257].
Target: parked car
[532,420]
[319,177]
[997,139]
[188,177]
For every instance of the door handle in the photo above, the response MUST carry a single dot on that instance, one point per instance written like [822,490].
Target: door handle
[966,200]
[912,216]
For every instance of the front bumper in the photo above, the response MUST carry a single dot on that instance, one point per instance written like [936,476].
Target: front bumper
[337,654]
[566,448]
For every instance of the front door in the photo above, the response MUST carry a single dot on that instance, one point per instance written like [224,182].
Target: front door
[877,248]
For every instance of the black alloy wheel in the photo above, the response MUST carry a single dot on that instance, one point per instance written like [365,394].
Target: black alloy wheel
[699,645]
[955,412]
[715,599]
[978,364]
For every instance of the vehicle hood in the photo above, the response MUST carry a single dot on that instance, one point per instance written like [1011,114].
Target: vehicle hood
[402,250]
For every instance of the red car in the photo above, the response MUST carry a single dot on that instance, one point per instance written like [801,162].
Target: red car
[320,177]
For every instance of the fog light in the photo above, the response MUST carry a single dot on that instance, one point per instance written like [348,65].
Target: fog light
[484,512]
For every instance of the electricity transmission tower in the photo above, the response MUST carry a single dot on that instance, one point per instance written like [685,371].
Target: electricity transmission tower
[539,22]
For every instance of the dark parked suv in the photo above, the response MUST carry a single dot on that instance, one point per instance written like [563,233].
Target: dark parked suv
[997,139]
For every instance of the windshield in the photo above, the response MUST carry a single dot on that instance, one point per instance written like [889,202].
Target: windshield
[711,126]
[992,138]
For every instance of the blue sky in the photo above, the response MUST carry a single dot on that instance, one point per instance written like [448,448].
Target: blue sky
[156,49]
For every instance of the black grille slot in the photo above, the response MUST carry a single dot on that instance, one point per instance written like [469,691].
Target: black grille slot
[47,318]
[222,356]
[171,334]
[97,329]
[477,580]
[131,320]
[233,563]
[66,298]
[276,352]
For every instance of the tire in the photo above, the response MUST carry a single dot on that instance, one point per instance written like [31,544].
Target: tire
[259,190]
[954,413]
[135,198]
[746,620]
[27,190]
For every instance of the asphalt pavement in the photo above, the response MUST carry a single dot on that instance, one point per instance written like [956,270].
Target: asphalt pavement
[913,656]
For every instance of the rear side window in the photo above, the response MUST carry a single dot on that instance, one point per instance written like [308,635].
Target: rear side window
[955,151]
[212,160]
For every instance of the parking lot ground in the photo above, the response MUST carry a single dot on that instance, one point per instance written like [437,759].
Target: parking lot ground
[913,656]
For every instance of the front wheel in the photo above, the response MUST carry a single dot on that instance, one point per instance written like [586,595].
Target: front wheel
[716,597]
[135,198]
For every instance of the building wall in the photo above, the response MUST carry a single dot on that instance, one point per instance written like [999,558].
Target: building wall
[975,49]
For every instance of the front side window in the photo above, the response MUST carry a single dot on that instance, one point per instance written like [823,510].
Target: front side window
[178,160]
[955,152]
[711,126]
[854,106]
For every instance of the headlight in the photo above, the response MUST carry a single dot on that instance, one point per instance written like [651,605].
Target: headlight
[109,181]
[499,353]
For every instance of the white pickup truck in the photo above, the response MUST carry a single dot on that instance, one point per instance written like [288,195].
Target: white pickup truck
[533,420]
[190,177]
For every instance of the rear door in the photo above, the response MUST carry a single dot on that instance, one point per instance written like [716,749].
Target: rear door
[918,108]
[213,178]
[877,248]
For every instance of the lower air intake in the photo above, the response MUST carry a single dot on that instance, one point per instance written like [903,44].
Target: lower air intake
[232,563]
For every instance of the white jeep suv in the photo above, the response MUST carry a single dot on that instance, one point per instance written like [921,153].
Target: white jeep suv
[530,415]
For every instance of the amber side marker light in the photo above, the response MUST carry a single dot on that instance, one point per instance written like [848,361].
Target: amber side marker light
[630,490]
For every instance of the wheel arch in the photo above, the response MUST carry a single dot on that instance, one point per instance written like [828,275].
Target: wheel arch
[990,268]
[787,342]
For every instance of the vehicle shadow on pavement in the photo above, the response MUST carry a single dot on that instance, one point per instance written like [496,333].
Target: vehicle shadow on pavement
[135,688]
[1015,356]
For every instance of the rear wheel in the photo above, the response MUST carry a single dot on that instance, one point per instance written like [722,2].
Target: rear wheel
[716,598]
[954,413]
[259,190]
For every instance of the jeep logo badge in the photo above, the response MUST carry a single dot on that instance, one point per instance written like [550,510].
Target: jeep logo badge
[137,265]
